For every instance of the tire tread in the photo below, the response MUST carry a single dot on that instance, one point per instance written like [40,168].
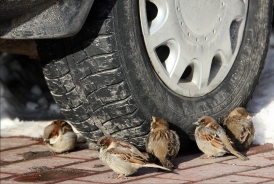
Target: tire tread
[89,84]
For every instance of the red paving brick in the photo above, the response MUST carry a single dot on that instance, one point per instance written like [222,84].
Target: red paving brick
[267,172]
[2,175]
[81,154]
[157,180]
[17,154]
[205,172]
[29,166]
[87,168]
[100,178]
[269,155]
[189,161]
[52,176]
[11,181]
[268,182]
[9,143]
[235,179]
[96,165]
[253,161]
[107,177]
[73,182]
[259,149]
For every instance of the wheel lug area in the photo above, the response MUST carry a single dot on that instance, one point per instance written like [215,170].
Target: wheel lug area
[195,25]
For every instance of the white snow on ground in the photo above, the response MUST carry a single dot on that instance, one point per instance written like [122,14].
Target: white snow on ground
[261,106]
[262,103]
[15,127]
[35,107]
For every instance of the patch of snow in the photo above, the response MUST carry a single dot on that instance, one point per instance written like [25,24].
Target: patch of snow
[36,90]
[54,108]
[27,110]
[42,101]
[264,126]
[262,103]
[15,127]
[31,105]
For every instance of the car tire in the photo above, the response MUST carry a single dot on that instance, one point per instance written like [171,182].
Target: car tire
[105,84]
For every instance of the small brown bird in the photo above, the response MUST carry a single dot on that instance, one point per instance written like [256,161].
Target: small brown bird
[212,139]
[59,137]
[162,143]
[122,157]
[239,128]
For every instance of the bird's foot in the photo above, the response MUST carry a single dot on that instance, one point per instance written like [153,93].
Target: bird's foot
[121,176]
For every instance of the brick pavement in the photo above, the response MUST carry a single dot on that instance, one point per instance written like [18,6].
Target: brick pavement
[26,160]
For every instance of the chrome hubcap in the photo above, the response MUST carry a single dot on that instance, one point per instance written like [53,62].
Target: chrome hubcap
[192,44]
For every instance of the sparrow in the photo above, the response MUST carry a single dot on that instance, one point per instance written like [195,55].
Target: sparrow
[212,139]
[162,143]
[122,157]
[239,128]
[59,137]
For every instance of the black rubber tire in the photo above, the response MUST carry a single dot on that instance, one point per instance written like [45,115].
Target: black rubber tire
[104,82]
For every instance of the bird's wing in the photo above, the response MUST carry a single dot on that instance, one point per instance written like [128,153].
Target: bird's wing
[127,156]
[148,140]
[131,148]
[209,134]
[246,129]
[174,144]
[66,129]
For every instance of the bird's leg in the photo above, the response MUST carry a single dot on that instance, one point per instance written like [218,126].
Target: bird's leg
[122,176]
[206,157]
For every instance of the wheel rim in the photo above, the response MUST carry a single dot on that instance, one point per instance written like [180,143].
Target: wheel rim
[192,44]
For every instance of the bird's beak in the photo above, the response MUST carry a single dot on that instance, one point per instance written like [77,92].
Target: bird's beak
[196,123]
[97,147]
[248,117]
[46,141]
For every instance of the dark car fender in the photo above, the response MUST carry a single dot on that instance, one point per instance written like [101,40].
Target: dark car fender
[39,19]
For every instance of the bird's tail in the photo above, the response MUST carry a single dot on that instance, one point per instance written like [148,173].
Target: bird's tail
[229,147]
[240,156]
[156,166]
